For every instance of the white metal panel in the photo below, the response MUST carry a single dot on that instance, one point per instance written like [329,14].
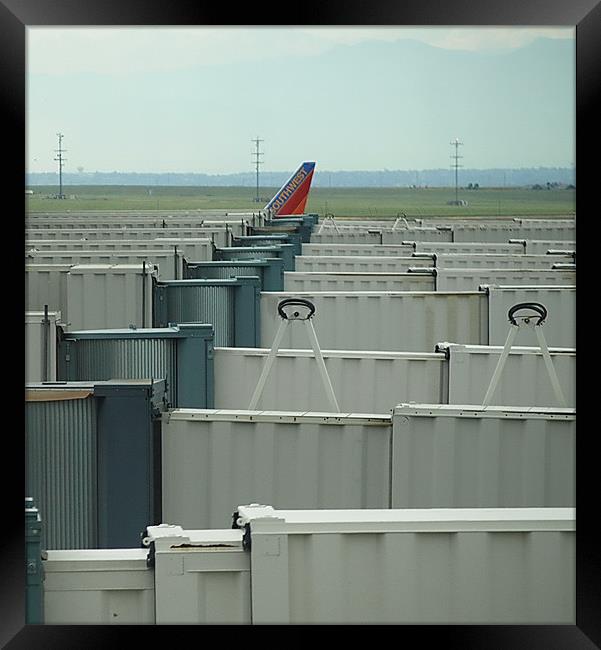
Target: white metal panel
[447,456]
[460,566]
[213,460]
[521,261]
[368,382]
[524,382]
[169,263]
[393,250]
[485,233]
[470,248]
[109,297]
[365,264]
[407,322]
[417,234]
[559,328]
[330,236]
[36,357]
[94,587]
[299,281]
[456,279]
[46,284]
[201,577]
[540,246]
[196,250]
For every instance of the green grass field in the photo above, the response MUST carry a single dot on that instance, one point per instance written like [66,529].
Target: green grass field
[341,202]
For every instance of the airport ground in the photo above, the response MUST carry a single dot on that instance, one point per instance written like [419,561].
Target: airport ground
[341,202]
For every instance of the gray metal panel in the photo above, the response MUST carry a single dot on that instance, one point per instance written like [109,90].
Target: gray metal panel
[559,328]
[525,381]
[98,587]
[46,284]
[60,469]
[296,281]
[352,264]
[368,382]
[38,358]
[195,303]
[470,279]
[470,248]
[393,250]
[520,261]
[408,322]
[417,234]
[540,247]
[478,568]
[330,236]
[109,296]
[485,233]
[468,457]
[214,459]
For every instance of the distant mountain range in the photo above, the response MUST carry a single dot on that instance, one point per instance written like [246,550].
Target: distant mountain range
[385,178]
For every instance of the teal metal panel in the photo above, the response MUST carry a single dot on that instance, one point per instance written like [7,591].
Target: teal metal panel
[60,469]
[231,306]
[285,251]
[270,271]
[181,355]
[34,596]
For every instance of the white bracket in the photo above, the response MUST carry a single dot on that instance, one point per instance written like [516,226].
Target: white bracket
[290,310]
[524,322]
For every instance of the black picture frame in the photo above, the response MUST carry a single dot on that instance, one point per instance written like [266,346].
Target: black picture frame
[16,15]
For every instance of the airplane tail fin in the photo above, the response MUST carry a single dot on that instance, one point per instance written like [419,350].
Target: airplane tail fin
[292,197]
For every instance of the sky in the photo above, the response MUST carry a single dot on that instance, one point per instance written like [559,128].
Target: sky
[192,99]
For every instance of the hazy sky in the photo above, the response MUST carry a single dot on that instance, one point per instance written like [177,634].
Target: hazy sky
[186,99]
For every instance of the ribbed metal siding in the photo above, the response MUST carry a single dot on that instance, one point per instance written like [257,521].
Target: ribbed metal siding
[524,382]
[471,279]
[100,359]
[500,261]
[358,250]
[540,247]
[61,469]
[351,264]
[407,322]
[417,234]
[470,248]
[469,458]
[295,281]
[330,236]
[365,382]
[453,577]
[204,304]
[213,462]
[225,272]
[559,328]
[46,284]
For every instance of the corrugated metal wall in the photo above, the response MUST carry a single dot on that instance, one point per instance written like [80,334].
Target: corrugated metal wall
[295,281]
[363,382]
[485,572]
[213,460]
[365,264]
[540,247]
[314,249]
[467,457]
[46,284]
[100,359]
[524,382]
[470,248]
[109,296]
[500,261]
[471,279]
[407,322]
[40,361]
[60,469]
[559,328]
[195,303]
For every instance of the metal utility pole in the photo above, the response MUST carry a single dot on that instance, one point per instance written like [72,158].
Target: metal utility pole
[61,161]
[456,156]
[257,162]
